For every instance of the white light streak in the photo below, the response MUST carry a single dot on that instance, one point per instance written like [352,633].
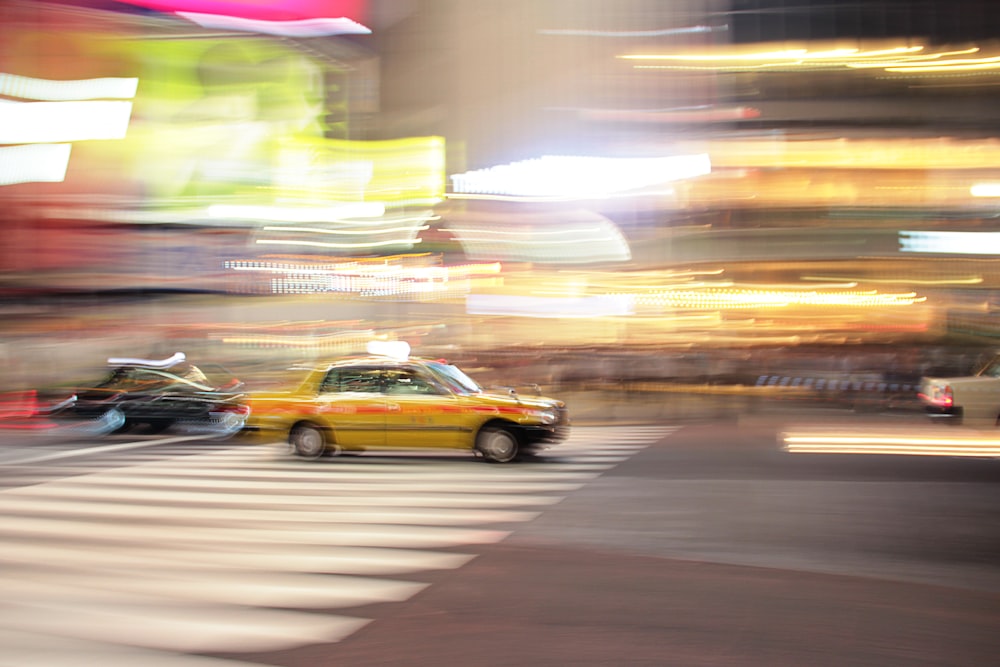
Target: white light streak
[537,306]
[321,244]
[29,88]
[663,32]
[53,122]
[40,163]
[348,232]
[335,213]
[960,243]
[567,237]
[579,177]
[971,444]
[985,190]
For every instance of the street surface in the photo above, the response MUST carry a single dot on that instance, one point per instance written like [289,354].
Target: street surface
[639,544]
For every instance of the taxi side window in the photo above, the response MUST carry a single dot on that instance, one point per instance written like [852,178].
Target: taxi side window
[408,382]
[352,380]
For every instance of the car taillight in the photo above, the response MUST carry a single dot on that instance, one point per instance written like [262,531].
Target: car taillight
[940,396]
[945,396]
[19,404]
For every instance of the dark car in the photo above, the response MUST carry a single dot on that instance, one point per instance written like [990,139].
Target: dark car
[156,395]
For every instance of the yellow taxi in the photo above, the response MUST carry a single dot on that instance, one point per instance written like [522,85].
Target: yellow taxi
[389,400]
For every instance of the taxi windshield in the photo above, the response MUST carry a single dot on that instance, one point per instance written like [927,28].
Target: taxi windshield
[456,380]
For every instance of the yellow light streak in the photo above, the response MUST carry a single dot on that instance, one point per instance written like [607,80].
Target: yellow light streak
[901,59]
[715,298]
[950,66]
[920,58]
[781,59]
[966,280]
[788,54]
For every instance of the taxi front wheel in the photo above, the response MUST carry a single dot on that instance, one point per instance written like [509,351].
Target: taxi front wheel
[497,444]
[307,441]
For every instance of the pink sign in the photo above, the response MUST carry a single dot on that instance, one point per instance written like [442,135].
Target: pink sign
[263,10]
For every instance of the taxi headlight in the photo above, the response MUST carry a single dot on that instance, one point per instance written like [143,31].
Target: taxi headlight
[547,416]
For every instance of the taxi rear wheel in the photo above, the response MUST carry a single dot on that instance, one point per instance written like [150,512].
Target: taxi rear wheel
[497,444]
[307,441]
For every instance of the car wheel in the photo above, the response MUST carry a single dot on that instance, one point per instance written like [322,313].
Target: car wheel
[307,441]
[124,426]
[497,444]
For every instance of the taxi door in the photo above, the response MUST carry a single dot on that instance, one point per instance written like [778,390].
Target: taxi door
[422,413]
[351,403]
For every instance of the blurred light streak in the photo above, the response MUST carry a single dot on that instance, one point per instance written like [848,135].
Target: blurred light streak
[786,54]
[720,298]
[985,190]
[50,122]
[664,32]
[337,246]
[577,176]
[68,114]
[975,444]
[548,307]
[346,232]
[18,404]
[775,59]
[296,214]
[316,27]
[889,153]
[682,115]
[369,233]
[637,280]
[521,199]
[394,172]
[38,163]
[29,88]
[958,280]
[963,243]
[948,65]
[569,235]
[335,344]
[386,276]
[919,59]
[556,237]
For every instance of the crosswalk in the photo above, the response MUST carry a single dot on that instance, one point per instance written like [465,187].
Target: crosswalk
[245,549]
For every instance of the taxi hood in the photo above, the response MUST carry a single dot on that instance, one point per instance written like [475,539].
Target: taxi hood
[502,396]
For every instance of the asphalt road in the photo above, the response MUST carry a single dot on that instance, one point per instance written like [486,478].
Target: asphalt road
[678,544]
[713,547]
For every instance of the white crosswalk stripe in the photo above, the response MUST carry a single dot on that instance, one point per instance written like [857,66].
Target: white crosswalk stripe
[242,549]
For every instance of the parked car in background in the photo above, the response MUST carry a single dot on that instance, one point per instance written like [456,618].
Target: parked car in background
[162,394]
[971,400]
[392,401]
